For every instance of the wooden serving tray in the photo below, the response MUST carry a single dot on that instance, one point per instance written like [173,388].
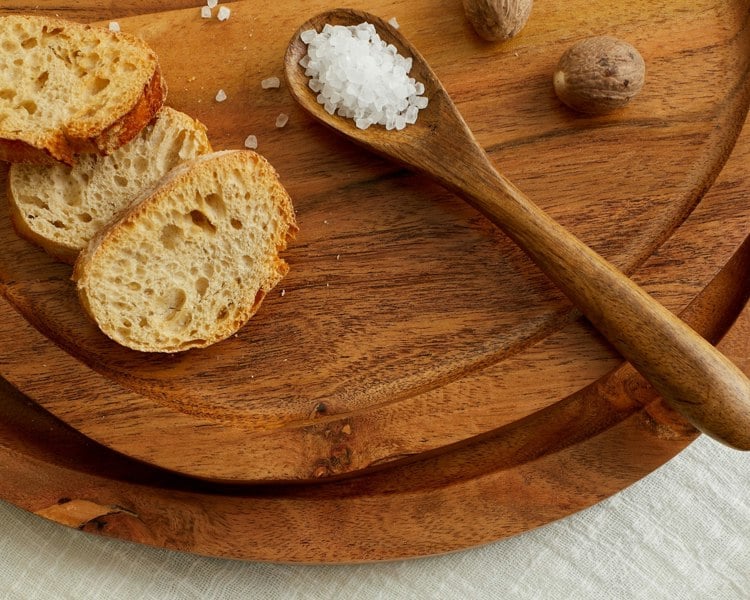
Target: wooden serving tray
[593,427]
[408,324]
[596,443]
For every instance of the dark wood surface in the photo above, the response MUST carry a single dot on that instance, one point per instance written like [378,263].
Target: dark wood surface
[457,353]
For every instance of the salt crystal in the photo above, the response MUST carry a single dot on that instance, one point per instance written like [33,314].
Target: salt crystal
[206,12]
[251,142]
[393,23]
[308,35]
[270,82]
[221,95]
[114,26]
[356,75]
[282,120]
[212,3]
[223,13]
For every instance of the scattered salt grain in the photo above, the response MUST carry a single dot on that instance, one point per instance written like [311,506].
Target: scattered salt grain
[206,12]
[223,13]
[270,82]
[356,75]
[283,293]
[114,26]
[282,120]
[221,95]
[393,23]
[251,142]
[212,3]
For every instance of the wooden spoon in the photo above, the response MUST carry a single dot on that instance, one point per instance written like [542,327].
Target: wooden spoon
[694,377]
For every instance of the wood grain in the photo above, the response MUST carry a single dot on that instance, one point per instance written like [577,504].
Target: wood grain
[601,439]
[409,322]
[689,373]
[485,491]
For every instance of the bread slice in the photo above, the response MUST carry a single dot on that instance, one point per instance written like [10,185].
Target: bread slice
[60,207]
[191,261]
[68,88]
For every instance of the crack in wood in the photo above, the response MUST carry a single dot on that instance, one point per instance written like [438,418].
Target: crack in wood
[78,513]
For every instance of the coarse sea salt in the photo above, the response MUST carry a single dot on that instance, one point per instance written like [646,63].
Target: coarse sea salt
[251,142]
[356,75]
[221,95]
[223,13]
[270,82]
[114,26]
[206,12]
[212,3]
[282,120]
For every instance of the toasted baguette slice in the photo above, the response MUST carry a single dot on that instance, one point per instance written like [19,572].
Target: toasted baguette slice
[60,207]
[68,88]
[191,261]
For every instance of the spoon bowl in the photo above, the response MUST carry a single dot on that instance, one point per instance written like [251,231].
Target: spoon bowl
[688,372]
[405,145]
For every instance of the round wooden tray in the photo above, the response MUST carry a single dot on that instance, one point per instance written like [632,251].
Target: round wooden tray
[408,323]
[566,425]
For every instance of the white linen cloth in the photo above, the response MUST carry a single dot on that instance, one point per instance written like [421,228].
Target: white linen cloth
[683,532]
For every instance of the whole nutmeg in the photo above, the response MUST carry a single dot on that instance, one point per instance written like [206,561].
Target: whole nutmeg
[497,20]
[599,74]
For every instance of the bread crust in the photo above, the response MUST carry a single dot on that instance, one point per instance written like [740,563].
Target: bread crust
[129,125]
[65,144]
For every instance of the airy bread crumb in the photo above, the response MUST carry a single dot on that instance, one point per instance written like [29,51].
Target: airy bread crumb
[61,208]
[191,261]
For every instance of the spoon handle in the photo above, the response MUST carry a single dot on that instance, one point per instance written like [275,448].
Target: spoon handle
[689,373]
